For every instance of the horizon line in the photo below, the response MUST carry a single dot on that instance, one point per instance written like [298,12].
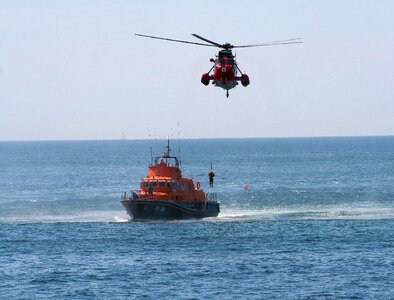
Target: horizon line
[196,138]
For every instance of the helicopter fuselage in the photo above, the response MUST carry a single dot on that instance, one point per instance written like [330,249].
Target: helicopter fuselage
[225,71]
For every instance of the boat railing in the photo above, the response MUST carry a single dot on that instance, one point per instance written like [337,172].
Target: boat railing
[211,197]
[133,196]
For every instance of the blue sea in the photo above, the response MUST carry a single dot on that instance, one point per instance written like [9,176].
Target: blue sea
[301,218]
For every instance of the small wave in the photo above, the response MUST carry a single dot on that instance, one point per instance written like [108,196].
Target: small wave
[234,215]
[121,219]
[83,217]
[226,215]
[306,213]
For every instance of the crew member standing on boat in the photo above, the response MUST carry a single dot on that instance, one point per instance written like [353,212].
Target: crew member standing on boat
[211,175]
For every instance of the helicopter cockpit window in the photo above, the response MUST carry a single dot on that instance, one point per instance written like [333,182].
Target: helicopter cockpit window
[225,60]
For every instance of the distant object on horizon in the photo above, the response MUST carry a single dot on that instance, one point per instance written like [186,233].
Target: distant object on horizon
[225,68]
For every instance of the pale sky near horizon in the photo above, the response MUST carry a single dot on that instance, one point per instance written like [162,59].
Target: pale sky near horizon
[74,69]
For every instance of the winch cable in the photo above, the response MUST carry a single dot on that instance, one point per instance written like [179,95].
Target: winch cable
[211,135]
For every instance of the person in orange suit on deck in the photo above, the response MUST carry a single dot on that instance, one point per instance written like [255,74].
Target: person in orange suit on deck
[211,175]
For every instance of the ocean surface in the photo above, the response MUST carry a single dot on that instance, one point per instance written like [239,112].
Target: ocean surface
[301,218]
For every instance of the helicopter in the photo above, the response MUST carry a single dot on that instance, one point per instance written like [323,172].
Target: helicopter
[225,68]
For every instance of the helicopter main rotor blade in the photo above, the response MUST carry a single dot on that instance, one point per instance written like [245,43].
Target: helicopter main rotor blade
[282,42]
[172,40]
[208,41]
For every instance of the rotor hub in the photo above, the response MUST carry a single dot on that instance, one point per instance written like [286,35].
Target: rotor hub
[227,46]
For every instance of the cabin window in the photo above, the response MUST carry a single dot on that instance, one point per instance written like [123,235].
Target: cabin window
[145,184]
[168,184]
[154,183]
[162,184]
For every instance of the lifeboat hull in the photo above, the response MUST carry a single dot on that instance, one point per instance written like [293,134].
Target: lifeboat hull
[155,209]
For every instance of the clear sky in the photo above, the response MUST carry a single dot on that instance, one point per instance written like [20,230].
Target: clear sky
[74,69]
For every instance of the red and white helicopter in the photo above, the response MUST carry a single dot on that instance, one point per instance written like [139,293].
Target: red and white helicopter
[225,68]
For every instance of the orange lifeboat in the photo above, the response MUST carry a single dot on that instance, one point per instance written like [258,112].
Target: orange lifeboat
[165,194]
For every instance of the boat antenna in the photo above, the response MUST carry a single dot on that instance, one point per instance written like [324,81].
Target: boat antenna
[156,141]
[168,147]
[150,145]
[179,145]
[151,155]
